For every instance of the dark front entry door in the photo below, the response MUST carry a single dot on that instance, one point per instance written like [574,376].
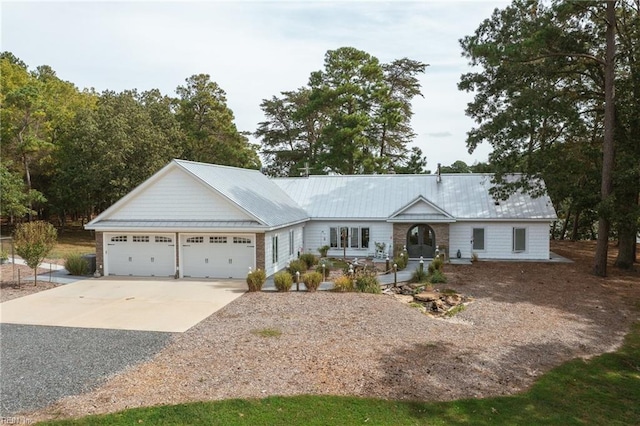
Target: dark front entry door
[421,241]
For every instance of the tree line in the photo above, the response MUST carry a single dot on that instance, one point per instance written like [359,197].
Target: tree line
[557,96]
[70,152]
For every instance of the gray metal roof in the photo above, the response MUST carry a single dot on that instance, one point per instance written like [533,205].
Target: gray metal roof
[463,196]
[178,224]
[250,190]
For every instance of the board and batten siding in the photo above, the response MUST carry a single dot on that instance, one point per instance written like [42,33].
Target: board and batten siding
[284,256]
[178,196]
[498,240]
[316,234]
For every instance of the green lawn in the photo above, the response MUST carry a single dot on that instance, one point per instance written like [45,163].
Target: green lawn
[602,391]
[73,241]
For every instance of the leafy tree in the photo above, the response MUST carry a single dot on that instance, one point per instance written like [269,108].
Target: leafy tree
[544,101]
[353,117]
[211,135]
[15,200]
[416,163]
[458,166]
[33,241]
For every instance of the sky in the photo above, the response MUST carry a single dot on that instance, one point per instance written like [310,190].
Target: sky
[255,50]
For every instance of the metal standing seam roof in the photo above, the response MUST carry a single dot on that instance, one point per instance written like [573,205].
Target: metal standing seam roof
[463,196]
[251,190]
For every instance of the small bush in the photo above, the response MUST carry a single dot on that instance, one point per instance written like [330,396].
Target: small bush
[323,251]
[368,283]
[309,259]
[297,266]
[256,279]
[283,281]
[312,280]
[343,283]
[327,269]
[76,264]
[437,277]
[401,261]
[438,264]
[418,276]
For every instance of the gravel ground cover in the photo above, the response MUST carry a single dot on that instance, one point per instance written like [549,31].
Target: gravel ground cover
[526,318]
[39,365]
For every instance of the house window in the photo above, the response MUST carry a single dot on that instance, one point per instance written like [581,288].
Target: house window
[364,237]
[341,237]
[478,238]
[274,249]
[519,239]
[195,240]
[333,237]
[162,239]
[140,238]
[218,240]
[119,239]
[291,236]
[241,240]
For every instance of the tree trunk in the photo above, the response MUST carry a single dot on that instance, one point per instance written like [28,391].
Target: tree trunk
[602,246]
[566,223]
[576,226]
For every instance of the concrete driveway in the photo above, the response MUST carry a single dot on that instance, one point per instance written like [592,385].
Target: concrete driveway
[149,304]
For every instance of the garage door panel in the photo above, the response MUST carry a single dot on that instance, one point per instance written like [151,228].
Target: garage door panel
[217,256]
[141,255]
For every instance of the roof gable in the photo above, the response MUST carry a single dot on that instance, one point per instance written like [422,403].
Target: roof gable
[421,210]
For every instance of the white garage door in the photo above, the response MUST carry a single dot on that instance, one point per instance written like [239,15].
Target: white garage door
[216,255]
[145,255]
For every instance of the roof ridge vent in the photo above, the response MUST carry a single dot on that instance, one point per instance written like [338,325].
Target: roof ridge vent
[438,175]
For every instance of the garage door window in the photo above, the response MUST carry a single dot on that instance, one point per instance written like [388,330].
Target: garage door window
[119,239]
[241,240]
[195,240]
[140,238]
[163,239]
[218,240]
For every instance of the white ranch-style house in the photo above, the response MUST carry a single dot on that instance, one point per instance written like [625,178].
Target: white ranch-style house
[203,220]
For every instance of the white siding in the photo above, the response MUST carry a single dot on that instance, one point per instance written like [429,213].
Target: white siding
[283,248]
[177,196]
[420,208]
[498,240]
[316,234]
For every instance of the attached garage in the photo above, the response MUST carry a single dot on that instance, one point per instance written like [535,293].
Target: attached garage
[217,255]
[147,255]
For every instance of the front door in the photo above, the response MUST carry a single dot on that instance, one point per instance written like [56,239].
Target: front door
[421,241]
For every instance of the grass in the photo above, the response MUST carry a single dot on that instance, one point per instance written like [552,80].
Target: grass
[455,310]
[267,332]
[73,242]
[604,390]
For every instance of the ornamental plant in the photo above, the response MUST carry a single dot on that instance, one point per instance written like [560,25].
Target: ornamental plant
[33,241]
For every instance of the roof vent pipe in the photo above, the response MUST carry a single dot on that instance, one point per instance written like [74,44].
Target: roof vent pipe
[438,176]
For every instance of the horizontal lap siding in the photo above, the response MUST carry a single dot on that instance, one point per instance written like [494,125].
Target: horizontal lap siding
[499,240]
[283,248]
[381,232]
[178,196]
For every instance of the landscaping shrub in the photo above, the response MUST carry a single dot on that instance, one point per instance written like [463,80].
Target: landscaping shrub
[419,276]
[367,282]
[437,277]
[309,258]
[312,280]
[256,279]
[438,264]
[323,250]
[283,281]
[297,266]
[76,264]
[327,269]
[343,283]
[401,261]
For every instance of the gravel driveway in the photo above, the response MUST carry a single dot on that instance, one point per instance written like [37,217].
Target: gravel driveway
[39,365]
